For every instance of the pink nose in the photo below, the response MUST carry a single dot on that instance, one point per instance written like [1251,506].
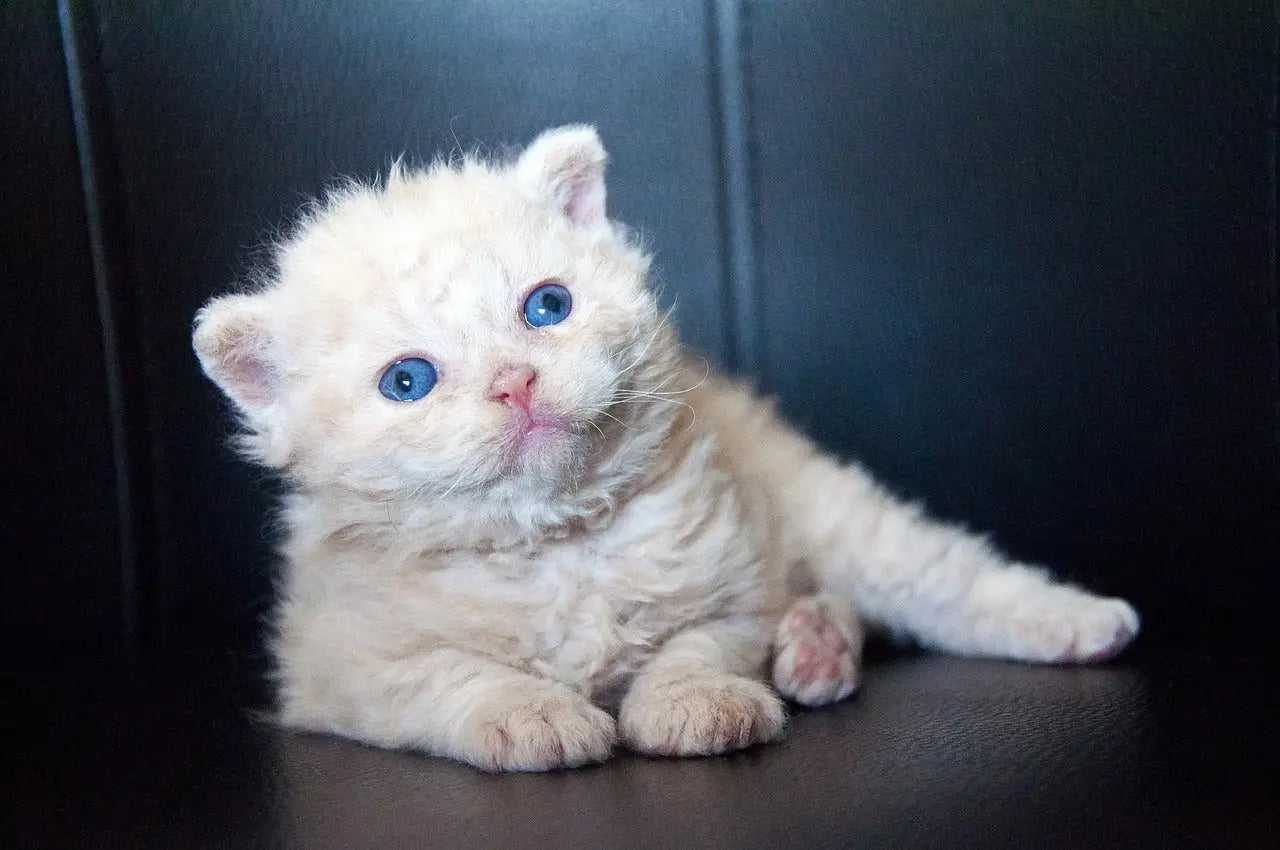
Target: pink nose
[514,385]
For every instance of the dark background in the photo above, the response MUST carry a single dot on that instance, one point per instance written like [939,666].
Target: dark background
[1018,257]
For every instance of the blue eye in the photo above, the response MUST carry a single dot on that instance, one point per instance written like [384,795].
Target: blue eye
[408,380]
[549,304]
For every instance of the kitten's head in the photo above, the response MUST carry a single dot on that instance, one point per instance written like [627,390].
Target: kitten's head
[470,338]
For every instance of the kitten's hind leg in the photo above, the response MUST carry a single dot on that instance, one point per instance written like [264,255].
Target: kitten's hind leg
[902,570]
[952,590]
[818,651]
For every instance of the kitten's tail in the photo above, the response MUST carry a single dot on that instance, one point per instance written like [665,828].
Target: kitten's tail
[902,571]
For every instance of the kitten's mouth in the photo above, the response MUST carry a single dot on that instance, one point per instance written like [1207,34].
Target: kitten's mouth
[540,431]
[536,429]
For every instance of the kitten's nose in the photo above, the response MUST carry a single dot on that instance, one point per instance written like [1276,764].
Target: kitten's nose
[514,385]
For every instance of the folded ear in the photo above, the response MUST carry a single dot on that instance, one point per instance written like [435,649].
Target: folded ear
[565,167]
[237,346]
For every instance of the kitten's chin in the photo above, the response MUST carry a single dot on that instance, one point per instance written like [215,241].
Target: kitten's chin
[551,450]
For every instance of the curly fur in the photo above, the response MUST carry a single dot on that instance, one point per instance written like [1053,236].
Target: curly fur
[455,585]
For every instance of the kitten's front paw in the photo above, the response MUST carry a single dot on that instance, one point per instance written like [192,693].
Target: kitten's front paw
[1086,630]
[539,729]
[699,714]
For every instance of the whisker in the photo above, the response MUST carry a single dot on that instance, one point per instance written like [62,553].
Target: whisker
[614,418]
[640,397]
[662,323]
[465,472]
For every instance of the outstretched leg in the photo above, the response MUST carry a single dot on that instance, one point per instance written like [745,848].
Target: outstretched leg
[952,590]
[920,578]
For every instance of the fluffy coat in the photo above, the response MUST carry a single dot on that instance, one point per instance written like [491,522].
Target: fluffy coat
[481,573]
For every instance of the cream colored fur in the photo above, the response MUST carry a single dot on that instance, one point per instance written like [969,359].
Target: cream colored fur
[453,585]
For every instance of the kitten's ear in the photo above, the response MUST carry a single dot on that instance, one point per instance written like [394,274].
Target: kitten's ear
[236,342]
[565,167]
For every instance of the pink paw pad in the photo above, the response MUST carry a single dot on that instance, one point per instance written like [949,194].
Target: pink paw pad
[814,661]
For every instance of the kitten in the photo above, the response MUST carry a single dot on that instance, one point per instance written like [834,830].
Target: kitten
[513,493]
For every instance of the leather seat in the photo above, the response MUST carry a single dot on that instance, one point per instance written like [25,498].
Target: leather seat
[1018,258]
[1171,750]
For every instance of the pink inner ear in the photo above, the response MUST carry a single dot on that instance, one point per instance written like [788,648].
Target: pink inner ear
[585,202]
[251,376]
[238,358]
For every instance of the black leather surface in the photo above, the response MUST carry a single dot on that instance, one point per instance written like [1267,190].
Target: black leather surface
[1026,253]
[1017,257]
[58,522]
[1020,257]
[227,123]
[935,752]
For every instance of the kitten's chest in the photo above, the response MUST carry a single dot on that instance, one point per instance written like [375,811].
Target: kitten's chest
[589,610]
[583,618]
[585,615]
[588,629]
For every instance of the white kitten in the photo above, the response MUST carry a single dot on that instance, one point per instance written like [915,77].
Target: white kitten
[513,493]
